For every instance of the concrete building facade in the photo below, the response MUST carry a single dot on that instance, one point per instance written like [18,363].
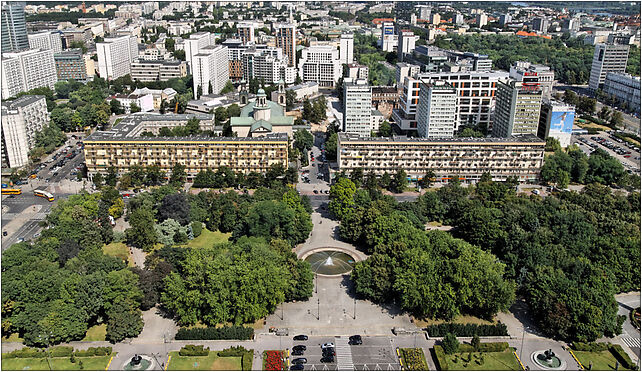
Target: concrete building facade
[387,38]
[320,64]
[211,70]
[437,110]
[70,64]
[607,58]
[518,108]
[286,40]
[22,118]
[625,88]
[46,40]
[346,48]
[142,70]
[115,56]
[26,70]
[556,121]
[357,107]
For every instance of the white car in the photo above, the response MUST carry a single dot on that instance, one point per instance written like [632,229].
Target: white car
[327,345]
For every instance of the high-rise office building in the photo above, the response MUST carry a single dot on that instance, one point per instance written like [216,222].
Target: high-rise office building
[211,70]
[556,121]
[404,70]
[346,48]
[266,63]
[245,31]
[46,40]
[539,73]
[437,110]
[406,43]
[14,27]
[388,36]
[26,70]
[22,118]
[286,40]
[356,71]
[320,64]
[357,107]
[70,64]
[115,56]
[540,24]
[517,109]
[482,20]
[607,58]
[424,11]
[505,19]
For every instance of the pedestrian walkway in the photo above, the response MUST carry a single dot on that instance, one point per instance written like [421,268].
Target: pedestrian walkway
[631,341]
[344,354]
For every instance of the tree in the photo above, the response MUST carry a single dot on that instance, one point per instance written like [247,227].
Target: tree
[124,321]
[303,140]
[604,113]
[170,44]
[177,179]
[475,342]
[98,180]
[112,176]
[141,233]
[385,130]
[153,175]
[290,97]
[342,197]
[616,119]
[176,207]
[450,343]
[228,88]
[133,108]
[553,144]
[308,113]
[331,147]
[115,107]
[399,182]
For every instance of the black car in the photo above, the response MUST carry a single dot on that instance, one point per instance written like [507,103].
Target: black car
[299,361]
[355,340]
[297,352]
[296,367]
[328,351]
[299,347]
[327,359]
[300,338]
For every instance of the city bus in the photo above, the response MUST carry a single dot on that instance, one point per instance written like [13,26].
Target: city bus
[11,191]
[44,194]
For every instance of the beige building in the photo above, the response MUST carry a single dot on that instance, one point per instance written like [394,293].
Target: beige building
[261,116]
[467,158]
[124,147]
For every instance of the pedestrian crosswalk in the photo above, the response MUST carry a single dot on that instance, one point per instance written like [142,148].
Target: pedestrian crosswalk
[344,354]
[631,341]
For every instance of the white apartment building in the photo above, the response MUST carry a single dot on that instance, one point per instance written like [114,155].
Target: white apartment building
[357,71]
[26,70]
[424,11]
[482,20]
[346,48]
[195,43]
[211,70]
[388,40]
[531,73]
[357,107]
[625,88]
[320,64]
[22,118]
[245,31]
[268,64]
[405,70]
[607,58]
[47,40]
[115,56]
[437,110]
[144,101]
[406,44]
[518,108]
[475,97]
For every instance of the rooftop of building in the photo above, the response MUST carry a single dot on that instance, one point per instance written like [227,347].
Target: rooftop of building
[21,101]
[309,84]
[527,138]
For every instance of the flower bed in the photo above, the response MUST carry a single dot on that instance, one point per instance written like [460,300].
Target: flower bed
[414,359]
[273,360]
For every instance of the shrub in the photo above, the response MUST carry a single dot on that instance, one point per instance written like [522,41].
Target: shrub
[61,351]
[246,360]
[635,319]
[475,342]
[213,333]
[234,351]
[622,356]
[94,351]
[467,330]
[440,357]
[194,350]
[592,346]
[25,352]
[118,237]
[485,347]
[414,359]
[450,343]
[197,228]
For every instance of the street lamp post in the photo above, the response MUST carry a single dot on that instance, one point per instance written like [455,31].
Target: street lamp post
[316,279]
[318,309]
[355,309]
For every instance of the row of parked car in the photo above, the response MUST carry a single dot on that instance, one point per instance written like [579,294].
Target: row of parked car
[610,145]
[328,352]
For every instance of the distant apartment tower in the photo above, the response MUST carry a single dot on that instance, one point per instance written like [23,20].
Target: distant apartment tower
[517,109]
[556,121]
[424,11]
[22,118]
[346,48]
[526,71]
[356,71]
[540,24]
[70,64]
[142,70]
[14,27]
[320,64]
[406,43]
[459,19]
[482,20]
[435,19]
[211,70]
[26,70]
[607,58]
[625,88]
[195,43]
[46,40]
[115,56]
[437,110]
[286,40]
[268,64]
[571,24]
[404,70]
[387,36]
[357,107]
[505,19]
[245,31]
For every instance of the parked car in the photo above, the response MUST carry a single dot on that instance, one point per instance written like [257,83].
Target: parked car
[327,359]
[297,352]
[355,340]
[327,344]
[299,361]
[299,347]
[300,338]
[296,367]
[328,351]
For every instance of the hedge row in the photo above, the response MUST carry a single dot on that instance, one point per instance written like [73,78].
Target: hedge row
[246,360]
[634,320]
[234,351]
[485,347]
[467,330]
[58,351]
[622,357]
[212,333]
[592,346]
[440,357]
[194,350]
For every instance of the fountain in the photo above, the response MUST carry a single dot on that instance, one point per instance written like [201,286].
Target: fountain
[330,262]
[548,360]
[138,363]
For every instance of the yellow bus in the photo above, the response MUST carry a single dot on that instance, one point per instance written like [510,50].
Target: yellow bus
[44,194]
[11,191]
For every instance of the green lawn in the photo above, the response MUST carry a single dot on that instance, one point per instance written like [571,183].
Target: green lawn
[496,361]
[208,239]
[602,360]
[212,362]
[57,364]
[119,250]
[96,333]
[460,319]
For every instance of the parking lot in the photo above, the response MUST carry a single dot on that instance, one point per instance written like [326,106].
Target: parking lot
[627,154]
[376,353]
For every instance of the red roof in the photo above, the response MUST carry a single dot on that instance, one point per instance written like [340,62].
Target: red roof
[377,21]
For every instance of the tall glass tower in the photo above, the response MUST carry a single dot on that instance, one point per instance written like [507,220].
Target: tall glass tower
[14,27]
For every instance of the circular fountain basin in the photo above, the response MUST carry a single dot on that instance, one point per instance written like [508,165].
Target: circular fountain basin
[330,262]
[553,363]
